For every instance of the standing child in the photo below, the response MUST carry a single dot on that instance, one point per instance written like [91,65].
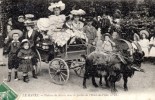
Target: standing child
[12,51]
[144,42]
[25,55]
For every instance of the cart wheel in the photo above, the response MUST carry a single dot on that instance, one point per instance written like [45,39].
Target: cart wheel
[80,71]
[59,71]
[38,68]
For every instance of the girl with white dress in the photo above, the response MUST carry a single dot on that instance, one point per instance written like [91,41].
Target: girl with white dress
[78,26]
[57,21]
[144,42]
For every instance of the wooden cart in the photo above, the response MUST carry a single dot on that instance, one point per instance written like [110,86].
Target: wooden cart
[62,63]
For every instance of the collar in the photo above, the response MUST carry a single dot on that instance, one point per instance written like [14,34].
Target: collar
[15,41]
[30,30]
[69,25]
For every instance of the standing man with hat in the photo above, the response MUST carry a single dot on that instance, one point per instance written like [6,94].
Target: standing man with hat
[91,33]
[19,24]
[33,37]
[105,24]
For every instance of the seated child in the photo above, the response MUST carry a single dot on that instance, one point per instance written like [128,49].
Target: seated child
[107,43]
[47,47]
[77,36]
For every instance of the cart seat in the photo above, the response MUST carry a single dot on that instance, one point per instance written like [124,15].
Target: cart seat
[76,47]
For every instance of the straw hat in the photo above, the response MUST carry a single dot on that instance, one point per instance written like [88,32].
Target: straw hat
[21,16]
[25,41]
[43,24]
[106,34]
[144,32]
[78,12]
[19,32]
[59,4]
[29,16]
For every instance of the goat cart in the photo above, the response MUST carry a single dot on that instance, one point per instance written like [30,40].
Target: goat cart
[69,57]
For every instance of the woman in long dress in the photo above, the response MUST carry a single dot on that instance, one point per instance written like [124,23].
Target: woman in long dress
[78,26]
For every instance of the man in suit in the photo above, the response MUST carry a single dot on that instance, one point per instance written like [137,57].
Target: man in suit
[33,36]
[19,24]
[105,24]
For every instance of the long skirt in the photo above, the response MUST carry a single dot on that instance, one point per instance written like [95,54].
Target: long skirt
[152,52]
[25,66]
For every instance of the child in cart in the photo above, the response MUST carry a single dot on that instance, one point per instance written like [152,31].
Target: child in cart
[45,46]
[12,49]
[25,54]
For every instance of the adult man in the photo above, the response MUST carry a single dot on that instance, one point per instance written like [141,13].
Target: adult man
[105,24]
[91,34]
[19,24]
[33,36]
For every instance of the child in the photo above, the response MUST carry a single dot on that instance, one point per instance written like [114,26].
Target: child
[11,51]
[144,42]
[46,46]
[108,43]
[25,55]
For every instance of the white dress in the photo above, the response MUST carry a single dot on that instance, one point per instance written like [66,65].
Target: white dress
[107,46]
[152,51]
[78,30]
[145,46]
[57,35]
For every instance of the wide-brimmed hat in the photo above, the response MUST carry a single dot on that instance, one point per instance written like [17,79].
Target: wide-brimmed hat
[25,41]
[19,32]
[59,4]
[78,12]
[144,32]
[106,34]
[29,16]
[43,24]
[21,16]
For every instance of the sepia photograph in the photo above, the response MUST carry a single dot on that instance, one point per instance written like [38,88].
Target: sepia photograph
[77,49]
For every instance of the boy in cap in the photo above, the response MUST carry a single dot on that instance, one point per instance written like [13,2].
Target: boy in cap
[12,51]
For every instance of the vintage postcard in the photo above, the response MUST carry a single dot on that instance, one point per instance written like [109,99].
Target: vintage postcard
[77,49]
